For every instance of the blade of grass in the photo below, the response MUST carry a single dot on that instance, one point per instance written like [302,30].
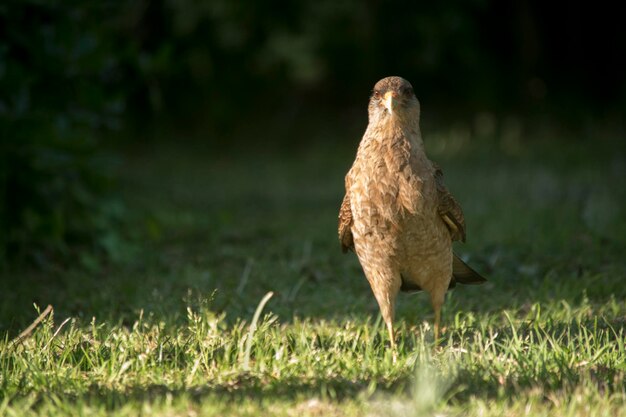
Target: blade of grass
[253,325]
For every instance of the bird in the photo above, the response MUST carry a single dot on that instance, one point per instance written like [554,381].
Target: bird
[397,214]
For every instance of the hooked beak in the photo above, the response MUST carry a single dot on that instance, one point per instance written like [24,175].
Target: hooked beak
[391,101]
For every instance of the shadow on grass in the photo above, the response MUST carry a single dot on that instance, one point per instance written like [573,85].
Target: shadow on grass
[248,387]
[244,387]
[198,229]
[327,288]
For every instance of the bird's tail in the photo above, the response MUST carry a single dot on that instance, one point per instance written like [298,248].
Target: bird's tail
[463,274]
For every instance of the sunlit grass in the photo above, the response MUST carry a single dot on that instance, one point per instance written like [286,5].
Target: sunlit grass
[506,358]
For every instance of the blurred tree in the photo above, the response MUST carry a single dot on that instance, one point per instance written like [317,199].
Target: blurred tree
[70,69]
[223,61]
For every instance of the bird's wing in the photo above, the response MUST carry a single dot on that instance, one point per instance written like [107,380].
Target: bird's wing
[345,225]
[448,208]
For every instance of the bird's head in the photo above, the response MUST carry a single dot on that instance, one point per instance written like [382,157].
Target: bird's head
[393,99]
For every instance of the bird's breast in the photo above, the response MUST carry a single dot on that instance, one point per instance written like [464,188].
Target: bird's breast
[387,182]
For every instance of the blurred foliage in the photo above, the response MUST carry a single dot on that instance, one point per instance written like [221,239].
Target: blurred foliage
[72,70]
[56,73]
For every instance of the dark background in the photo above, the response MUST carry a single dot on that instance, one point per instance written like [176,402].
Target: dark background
[83,82]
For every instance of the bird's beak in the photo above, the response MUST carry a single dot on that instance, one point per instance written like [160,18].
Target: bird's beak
[391,101]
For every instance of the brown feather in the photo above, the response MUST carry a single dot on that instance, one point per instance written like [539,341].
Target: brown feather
[448,208]
[463,274]
[345,224]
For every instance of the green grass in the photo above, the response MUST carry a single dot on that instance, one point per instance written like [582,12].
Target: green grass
[165,329]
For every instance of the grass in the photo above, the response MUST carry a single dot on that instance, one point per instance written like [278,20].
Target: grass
[166,329]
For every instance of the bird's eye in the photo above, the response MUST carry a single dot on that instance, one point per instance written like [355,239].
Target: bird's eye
[408,91]
[376,94]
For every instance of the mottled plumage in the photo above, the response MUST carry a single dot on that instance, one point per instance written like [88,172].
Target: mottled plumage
[397,214]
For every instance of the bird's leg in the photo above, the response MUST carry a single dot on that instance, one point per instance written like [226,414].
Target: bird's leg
[385,283]
[386,302]
[387,310]
[392,339]
[437,301]
[437,320]
[392,336]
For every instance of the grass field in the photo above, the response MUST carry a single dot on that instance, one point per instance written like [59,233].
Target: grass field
[165,330]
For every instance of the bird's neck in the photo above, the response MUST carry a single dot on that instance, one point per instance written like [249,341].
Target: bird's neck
[394,132]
